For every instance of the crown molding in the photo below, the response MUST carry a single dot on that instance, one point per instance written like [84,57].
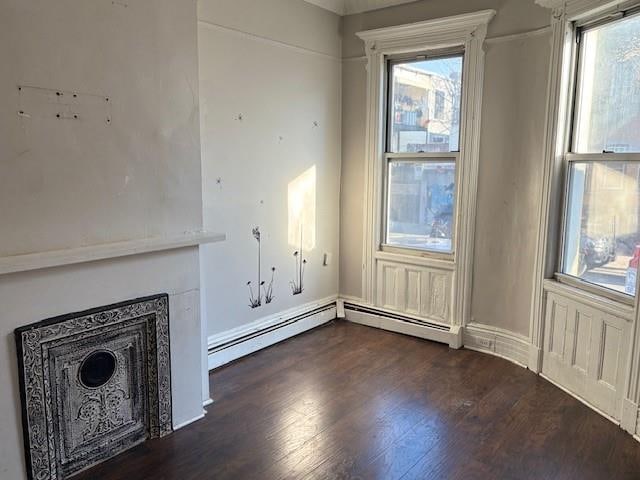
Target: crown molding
[550,3]
[350,7]
[441,31]
[335,6]
[575,9]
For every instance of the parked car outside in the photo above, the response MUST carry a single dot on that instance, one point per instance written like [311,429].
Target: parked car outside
[596,251]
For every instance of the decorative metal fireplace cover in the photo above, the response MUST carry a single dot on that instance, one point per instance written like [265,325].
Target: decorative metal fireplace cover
[93,384]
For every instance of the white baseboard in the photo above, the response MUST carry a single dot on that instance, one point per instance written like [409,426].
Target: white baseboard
[207,402]
[233,344]
[535,359]
[497,341]
[456,339]
[189,422]
[373,317]
[629,416]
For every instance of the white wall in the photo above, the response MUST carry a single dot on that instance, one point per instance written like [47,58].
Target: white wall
[279,67]
[510,174]
[69,183]
[510,157]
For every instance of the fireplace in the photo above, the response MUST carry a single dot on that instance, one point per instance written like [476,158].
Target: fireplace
[93,384]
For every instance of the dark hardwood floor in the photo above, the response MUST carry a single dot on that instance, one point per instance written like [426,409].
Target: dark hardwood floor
[345,401]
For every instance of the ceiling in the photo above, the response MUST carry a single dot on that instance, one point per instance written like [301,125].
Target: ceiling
[347,7]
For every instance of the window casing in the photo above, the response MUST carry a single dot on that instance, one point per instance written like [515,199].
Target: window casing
[421,151]
[600,247]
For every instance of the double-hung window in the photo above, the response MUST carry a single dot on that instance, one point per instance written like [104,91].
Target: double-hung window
[601,234]
[422,143]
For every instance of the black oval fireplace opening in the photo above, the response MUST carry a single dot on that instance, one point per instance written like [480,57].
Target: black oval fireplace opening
[97,368]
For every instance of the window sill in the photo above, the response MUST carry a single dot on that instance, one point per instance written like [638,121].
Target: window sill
[595,289]
[594,297]
[442,261]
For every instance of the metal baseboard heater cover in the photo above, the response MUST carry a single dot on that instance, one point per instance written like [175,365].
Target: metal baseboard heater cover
[93,384]
[395,316]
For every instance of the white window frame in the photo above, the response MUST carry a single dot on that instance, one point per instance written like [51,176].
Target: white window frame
[467,32]
[418,157]
[570,156]
[565,16]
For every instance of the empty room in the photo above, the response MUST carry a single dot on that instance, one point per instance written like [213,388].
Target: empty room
[319,239]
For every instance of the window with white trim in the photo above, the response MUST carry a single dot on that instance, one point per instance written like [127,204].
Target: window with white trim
[423,132]
[601,239]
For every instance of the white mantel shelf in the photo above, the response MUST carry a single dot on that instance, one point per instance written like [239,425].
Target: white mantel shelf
[57,258]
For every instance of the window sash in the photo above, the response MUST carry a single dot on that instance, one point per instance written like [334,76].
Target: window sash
[570,156]
[394,60]
[435,157]
[608,17]
[602,157]
[560,273]
[579,28]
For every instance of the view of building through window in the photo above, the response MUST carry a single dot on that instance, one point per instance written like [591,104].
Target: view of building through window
[424,118]
[425,105]
[420,205]
[602,230]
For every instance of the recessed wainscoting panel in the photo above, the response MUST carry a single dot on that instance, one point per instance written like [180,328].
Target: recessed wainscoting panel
[423,291]
[391,293]
[585,350]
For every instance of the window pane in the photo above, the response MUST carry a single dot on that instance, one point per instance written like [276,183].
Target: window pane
[420,204]
[602,239]
[425,105]
[608,104]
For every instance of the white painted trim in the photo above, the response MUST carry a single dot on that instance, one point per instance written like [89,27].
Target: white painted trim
[204,330]
[629,416]
[189,422]
[558,101]
[338,7]
[598,302]
[422,260]
[352,299]
[467,31]
[267,40]
[207,402]
[229,345]
[456,340]
[71,256]
[350,7]
[577,9]
[360,6]
[380,320]
[574,9]
[428,34]
[390,312]
[497,341]
[544,261]
[535,359]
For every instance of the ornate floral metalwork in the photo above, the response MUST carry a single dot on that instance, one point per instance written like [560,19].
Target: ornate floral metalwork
[69,426]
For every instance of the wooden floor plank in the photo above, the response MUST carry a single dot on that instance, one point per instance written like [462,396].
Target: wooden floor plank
[348,401]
